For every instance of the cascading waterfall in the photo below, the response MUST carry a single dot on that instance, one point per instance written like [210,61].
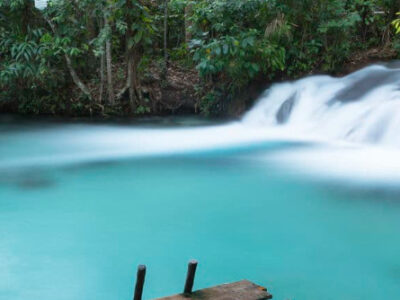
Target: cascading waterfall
[363,107]
[350,124]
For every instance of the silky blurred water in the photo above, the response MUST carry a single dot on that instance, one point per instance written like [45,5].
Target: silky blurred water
[77,231]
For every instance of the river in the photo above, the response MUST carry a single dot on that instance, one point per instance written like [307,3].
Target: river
[301,195]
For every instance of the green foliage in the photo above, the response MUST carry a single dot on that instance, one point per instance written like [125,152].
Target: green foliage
[396,24]
[231,46]
[233,43]
[238,59]
[210,103]
[27,72]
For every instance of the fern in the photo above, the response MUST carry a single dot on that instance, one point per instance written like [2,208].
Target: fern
[396,24]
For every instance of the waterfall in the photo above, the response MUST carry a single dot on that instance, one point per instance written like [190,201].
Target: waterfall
[363,107]
[347,126]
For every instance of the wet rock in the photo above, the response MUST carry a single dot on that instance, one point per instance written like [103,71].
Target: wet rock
[365,84]
[284,112]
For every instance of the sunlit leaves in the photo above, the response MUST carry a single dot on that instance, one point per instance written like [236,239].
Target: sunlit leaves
[121,26]
[396,24]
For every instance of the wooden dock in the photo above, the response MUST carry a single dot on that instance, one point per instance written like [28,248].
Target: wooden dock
[241,290]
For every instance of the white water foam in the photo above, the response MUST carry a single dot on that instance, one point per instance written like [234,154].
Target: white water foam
[354,119]
[89,143]
[363,107]
[357,117]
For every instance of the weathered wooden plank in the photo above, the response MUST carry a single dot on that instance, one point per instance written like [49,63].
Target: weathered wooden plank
[241,290]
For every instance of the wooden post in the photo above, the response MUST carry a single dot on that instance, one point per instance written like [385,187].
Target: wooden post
[141,274]
[190,276]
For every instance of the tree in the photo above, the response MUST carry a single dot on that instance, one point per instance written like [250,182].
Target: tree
[109,56]
[165,36]
[188,21]
[57,17]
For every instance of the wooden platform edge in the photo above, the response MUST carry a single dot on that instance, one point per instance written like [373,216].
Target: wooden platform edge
[240,290]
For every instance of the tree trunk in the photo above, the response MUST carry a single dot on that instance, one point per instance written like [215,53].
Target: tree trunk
[110,85]
[27,15]
[75,78]
[133,82]
[165,37]
[132,95]
[92,30]
[188,22]
[102,77]
[133,57]
[100,24]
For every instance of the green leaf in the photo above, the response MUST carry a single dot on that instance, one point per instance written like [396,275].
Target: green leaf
[138,36]
[255,67]
[225,49]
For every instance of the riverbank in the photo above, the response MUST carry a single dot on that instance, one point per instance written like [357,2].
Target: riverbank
[210,58]
[178,93]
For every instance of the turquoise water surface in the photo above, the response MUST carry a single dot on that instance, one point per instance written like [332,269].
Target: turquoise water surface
[77,231]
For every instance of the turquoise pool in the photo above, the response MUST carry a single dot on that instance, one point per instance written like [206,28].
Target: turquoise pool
[77,231]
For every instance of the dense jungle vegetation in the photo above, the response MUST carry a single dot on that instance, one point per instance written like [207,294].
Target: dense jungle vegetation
[120,57]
